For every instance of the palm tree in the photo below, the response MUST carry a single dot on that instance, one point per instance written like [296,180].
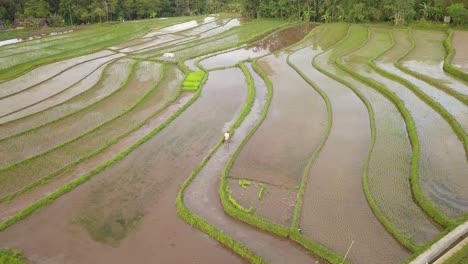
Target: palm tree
[425,9]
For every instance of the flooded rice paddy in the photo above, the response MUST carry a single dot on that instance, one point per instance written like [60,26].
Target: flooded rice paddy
[109,137]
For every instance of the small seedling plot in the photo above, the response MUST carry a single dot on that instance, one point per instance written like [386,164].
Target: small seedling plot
[193,80]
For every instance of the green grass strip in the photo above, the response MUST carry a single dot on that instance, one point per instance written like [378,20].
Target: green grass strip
[72,165]
[197,221]
[99,82]
[425,204]
[437,84]
[460,257]
[11,256]
[450,51]
[424,97]
[12,166]
[224,190]
[404,240]
[85,177]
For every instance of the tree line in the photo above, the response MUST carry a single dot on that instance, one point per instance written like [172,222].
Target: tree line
[61,12]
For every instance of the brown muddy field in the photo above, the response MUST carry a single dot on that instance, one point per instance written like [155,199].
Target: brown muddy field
[460,60]
[202,197]
[277,41]
[335,180]
[127,213]
[293,128]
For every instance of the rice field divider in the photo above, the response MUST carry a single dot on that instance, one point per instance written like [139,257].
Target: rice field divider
[450,52]
[461,134]
[404,240]
[226,47]
[437,84]
[16,70]
[57,74]
[454,124]
[72,165]
[194,220]
[132,68]
[60,92]
[35,206]
[425,204]
[11,166]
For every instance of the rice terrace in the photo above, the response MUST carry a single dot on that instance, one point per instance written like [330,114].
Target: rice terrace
[233,131]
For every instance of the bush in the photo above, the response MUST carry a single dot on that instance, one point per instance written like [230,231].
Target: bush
[30,24]
[458,13]
[55,20]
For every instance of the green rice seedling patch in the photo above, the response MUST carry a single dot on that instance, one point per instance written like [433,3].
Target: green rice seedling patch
[193,80]
[244,183]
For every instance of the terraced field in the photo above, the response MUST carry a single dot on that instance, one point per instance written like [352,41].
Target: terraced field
[347,143]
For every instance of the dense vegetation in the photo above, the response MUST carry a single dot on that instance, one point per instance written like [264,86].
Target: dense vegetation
[59,12]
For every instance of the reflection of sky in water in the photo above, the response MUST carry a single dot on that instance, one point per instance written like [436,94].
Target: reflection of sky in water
[179,27]
[233,23]
[426,67]
[9,41]
[275,42]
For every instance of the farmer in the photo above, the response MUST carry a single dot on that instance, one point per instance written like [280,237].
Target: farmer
[226,136]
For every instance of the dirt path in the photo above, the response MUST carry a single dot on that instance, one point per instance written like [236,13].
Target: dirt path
[460,60]
[127,213]
[335,210]
[202,197]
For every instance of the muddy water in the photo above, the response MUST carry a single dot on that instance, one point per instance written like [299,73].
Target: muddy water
[279,40]
[443,165]
[173,79]
[113,78]
[460,60]
[202,198]
[428,58]
[293,128]
[335,210]
[154,43]
[80,87]
[126,213]
[45,72]
[51,87]
[389,165]
[48,137]
[191,63]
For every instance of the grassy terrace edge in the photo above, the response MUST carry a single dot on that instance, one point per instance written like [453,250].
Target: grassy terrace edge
[194,220]
[437,84]
[448,67]
[85,177]
[99,81]
[425,204]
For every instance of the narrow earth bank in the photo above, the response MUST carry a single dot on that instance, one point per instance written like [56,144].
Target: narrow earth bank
[443,162]
[202,196]
[126,213]
[335,210]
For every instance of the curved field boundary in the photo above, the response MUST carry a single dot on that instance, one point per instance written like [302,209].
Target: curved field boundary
[405,241]
[195,220]
[11,256]
[11,166]
[60,92]
[448,67]
[55,75]
[462,135]
[461,97]
[127,79]
[85,177]
[97,151]
[427,205]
